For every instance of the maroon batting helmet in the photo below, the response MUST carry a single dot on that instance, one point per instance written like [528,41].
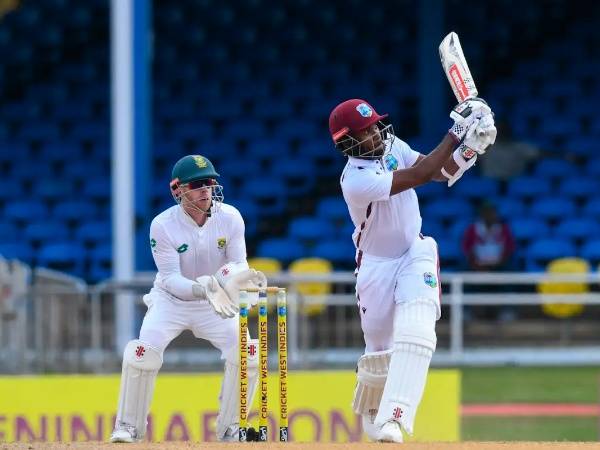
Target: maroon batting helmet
[350,117]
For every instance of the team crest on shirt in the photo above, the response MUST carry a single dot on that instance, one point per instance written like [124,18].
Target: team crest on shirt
[364,110]
[430,279]
[390,161]
[221,243]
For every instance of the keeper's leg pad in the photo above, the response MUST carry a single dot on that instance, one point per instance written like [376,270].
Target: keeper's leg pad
[414,343]
[229,399]
[371,373]
[141,363]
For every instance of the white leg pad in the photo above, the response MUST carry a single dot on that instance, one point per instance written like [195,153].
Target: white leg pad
[229,398]
[414,344]
[371,373]
[141,363]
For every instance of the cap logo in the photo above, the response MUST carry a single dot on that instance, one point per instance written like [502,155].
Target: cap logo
[364,110]
[200,162]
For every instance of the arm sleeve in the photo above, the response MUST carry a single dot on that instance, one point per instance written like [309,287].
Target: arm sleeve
[236,249]
[365,186]
[166,259]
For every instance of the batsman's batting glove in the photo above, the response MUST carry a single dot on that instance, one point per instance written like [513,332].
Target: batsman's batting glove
[481,135]
[464,114]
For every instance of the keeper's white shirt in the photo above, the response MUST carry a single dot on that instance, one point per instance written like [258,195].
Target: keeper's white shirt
[385,226]
[183,251]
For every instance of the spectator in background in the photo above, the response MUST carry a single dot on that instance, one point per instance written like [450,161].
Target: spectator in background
[488,243]
[503,163]
[489,246]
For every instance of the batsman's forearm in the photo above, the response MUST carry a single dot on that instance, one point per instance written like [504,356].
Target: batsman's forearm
[425,169]
[450,167]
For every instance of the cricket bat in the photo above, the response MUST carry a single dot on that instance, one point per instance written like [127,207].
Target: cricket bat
[456,68]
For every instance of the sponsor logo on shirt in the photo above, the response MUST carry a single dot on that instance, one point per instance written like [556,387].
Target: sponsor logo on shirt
[430,279]
[182,248]
[152,242]
[221,243]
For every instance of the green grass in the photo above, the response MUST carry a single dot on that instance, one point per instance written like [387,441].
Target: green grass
[530,385]
[530,429]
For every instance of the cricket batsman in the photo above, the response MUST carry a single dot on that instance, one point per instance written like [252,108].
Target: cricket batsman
[397,268]
[199,249]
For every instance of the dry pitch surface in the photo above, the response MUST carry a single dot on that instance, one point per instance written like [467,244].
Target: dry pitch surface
[307,446]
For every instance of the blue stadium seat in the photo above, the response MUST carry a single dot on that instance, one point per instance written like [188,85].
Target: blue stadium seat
[98,189]
[457,229]
[542,251]
[432,191]
[53,190]
[473,187]
[509,207]
[528,228]
[578,228]
[265,149]
[296,173]
[21,251]
[74,210]
[63,256]
[583,145]
[39,131]
[25,211]
[592,208]
[101,263]
[90,131]
[590,251]
[272,109]
[553,208]
[434,229]
[310,230]
[283,249]
[93,233]
[579,187]
[592,167]
[449,208]
[195,130]
[555,168]
[249,212]
[333,209]
[528,187]
[295,129]
[47,231]
[268,195]
[341,252]
[8,232]
[247,130]
[450,254]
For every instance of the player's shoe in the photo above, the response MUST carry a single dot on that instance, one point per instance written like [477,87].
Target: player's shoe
[232,434]
[391,431]
[369,427]
[124,433]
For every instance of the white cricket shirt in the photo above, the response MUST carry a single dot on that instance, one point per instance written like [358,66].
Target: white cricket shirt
[384,226]
[183,251]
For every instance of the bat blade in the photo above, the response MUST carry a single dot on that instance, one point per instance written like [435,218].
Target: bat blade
[456,68]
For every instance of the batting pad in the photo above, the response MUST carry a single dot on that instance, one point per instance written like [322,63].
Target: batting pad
[140,367]
[414,344]
[371,374]
[229,398]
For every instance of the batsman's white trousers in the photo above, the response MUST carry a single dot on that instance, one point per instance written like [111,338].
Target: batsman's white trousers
[166,318]
[382,283]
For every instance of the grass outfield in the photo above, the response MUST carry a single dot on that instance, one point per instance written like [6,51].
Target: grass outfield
[535,385]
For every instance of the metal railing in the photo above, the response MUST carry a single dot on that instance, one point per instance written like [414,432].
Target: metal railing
[60,324]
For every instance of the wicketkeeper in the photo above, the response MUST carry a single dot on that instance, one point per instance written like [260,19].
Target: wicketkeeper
[199,249]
